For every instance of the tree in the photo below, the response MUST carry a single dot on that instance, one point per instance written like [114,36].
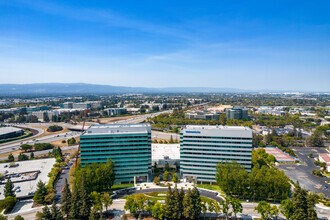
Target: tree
[107,200]
[204,208]
[156,180]
[166,175]
[236,205]
[26,147]
[45,214]
[226,206]
[93,214]
[31,155]
[18,217]
[196,199]
[131,205]
[286,208]
[75,203]
[72,141]
[223,119]
[158,211]
[316,139]
[85,207]
[274,211]
[211,206]
[169,203]
[188,207]
[55,212]
[9,189]
[11,157]
[66,199]
[22,156]
[40,194]
[3,217]
[311,200]
[176,204]
[175,178]
[263,208]
[299,200]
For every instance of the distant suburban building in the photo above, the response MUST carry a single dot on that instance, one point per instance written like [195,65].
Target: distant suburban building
[80,105]
[66,105]
[9,132]
[128,145]
[13,110]
[325,157]
[203,147]
[40,114]
[133,110]
[37,108]
[201,115]
[278,110]
[116,111]
[237,112]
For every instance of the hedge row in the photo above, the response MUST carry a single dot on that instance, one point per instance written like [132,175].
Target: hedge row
[28,134]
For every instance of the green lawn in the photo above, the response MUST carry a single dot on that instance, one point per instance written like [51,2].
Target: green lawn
[210,187]
[122,186]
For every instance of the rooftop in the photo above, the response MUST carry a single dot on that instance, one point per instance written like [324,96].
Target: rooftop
[216,127]
[225,131]
[325,157]
[5,130]
[118,129]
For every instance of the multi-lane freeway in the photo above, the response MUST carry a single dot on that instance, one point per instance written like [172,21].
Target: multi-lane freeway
[13,146]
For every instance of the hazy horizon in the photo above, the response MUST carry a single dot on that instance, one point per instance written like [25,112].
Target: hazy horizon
[255,45]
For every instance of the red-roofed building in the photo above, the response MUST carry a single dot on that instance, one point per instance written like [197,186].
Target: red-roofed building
[325,158]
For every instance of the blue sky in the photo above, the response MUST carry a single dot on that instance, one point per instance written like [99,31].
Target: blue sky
[282,45]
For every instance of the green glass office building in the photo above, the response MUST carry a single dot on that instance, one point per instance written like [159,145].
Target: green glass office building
[203,147]
[128,145]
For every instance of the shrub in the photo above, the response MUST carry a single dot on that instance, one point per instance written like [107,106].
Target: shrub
[8,204]
[11,157]
[54,128]
[43,146]
[317,173]
[71,141]
[18,217]
[22,156]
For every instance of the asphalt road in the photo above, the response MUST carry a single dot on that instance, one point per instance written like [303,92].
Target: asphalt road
[6,148]
[61,180]
[303,172]
[40,132]
[141,118]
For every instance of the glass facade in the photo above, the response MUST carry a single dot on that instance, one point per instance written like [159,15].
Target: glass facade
[131,152]
[202,149]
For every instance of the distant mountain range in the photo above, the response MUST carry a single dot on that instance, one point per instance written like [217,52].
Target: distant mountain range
[83,88]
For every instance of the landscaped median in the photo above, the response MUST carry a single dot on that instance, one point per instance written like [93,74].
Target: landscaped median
[27,133]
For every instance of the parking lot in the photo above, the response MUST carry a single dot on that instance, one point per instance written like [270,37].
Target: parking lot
[303,172]
[29,186]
